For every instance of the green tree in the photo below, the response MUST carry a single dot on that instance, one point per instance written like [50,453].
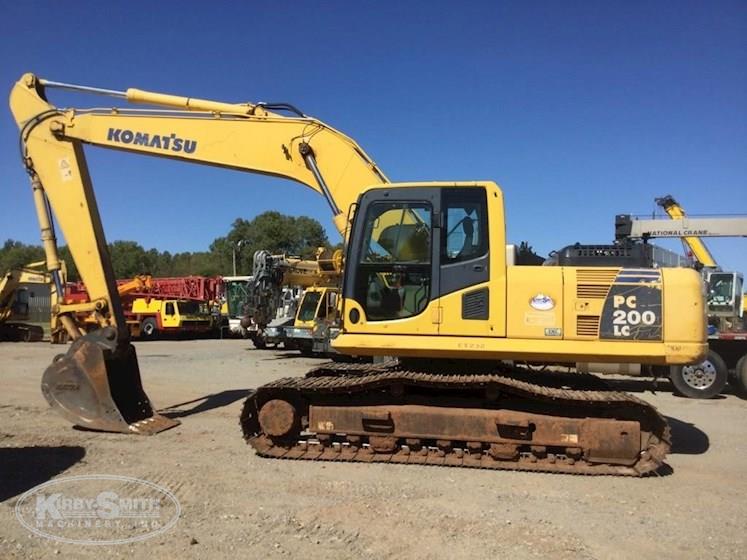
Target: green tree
[271,231]
[15,254]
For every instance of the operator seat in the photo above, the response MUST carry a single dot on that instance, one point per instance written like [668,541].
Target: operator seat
[468,247]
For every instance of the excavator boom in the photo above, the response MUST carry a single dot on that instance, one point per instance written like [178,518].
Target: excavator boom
[248,137]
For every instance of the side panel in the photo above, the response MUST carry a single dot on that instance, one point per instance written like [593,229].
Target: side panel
[535,302]
[681,287]
[585,291]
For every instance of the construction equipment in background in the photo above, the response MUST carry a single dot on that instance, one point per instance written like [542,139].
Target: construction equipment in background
[316,322]
[155,307]
[274,295]
[177,306]
[725,298]
[16,293]
[233,307]
[76,294]
[274,333]
[426,280]
[727,338]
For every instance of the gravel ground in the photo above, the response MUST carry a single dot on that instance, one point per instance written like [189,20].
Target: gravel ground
[237,504]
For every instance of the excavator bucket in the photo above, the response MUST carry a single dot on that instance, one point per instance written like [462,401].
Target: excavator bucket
[97,385]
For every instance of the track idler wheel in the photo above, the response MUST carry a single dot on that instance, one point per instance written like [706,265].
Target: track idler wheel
[97,385]
[278,418]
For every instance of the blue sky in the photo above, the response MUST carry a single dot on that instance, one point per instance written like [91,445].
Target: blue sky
[580,111]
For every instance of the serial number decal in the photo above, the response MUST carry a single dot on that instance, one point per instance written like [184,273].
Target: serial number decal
[632,312]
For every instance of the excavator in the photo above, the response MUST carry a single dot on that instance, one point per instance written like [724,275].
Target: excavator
[429,288]
[14,305]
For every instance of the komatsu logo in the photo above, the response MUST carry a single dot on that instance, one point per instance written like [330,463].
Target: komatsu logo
[171,142]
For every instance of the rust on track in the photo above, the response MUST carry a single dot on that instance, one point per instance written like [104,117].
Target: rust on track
[456,415]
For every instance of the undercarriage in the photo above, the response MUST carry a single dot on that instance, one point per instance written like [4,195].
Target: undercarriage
[456,414]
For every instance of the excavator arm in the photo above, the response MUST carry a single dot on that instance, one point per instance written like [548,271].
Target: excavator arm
[97,384]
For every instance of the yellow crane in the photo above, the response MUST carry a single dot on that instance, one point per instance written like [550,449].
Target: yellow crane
[439,292]
[694,243]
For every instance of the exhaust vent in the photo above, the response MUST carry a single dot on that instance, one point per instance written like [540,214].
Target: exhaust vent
[587,325]
[598,275]
[594,283]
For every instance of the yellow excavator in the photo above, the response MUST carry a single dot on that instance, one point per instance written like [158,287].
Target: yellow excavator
[14,303]
[427,279]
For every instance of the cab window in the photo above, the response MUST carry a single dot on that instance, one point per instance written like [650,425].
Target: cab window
[465,231]
[394,271]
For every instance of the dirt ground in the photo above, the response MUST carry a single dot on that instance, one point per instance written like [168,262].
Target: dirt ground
[237,504]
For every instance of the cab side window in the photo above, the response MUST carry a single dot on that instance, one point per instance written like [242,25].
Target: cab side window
[465,231]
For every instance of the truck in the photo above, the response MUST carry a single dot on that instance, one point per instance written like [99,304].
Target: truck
[155,307]
[150,318]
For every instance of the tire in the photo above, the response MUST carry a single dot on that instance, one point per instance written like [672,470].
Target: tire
[307,349]
[149,328]
[259,342]
[738,381]
[701,381]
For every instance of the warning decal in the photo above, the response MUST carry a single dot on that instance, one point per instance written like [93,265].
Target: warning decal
[66,170]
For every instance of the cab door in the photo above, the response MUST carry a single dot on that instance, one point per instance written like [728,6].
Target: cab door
[464,286]
[391,281]
[170,317]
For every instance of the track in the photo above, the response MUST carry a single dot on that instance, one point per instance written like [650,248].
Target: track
[448,415]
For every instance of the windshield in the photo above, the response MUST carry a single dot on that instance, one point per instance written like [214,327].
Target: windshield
[236,297]
[721,288]
[310,302]
[394,270]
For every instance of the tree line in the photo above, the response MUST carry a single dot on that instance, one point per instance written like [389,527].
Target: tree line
[270,230]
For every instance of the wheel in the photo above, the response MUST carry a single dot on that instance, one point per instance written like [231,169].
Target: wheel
[701,381]
[738,381]
[149,328]
[259,342]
